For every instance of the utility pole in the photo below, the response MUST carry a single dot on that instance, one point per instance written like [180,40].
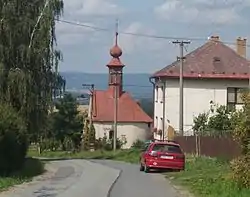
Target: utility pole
[114,74]
[115,97]
[164,110]
[91,88]
[115,113]
[181,59]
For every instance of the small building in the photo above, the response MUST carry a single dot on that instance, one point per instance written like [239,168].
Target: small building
[212,74]
[132,122]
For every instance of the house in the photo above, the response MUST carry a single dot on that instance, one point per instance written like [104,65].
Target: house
[133,122]
[212,74]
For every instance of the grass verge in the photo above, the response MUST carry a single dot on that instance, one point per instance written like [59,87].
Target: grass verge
[207,177]
[31,168]
[131,156]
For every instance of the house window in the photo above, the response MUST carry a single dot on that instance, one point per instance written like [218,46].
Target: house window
[234,97]
[156,93]
[162,94]
[156,122]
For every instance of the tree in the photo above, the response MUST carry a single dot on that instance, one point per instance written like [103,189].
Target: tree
[29,59]
[67,123]
[216,122]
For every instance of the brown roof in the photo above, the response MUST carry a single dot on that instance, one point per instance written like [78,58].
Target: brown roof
[211,60]
[128,108]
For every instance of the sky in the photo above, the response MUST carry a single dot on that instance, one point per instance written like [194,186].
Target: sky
[87,50]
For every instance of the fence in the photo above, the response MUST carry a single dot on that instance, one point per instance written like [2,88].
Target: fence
[222,147]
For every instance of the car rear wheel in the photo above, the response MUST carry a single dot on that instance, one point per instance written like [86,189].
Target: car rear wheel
[146,169]
[141,167]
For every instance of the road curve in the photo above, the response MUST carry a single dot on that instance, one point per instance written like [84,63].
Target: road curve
[76,178]
[133,183]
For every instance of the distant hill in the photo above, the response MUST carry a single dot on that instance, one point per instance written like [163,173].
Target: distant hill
[137,84]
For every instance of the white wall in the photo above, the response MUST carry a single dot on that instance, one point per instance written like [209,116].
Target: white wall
[131,131]
[197,96]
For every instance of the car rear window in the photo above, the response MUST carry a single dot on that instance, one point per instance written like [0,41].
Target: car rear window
[166,148]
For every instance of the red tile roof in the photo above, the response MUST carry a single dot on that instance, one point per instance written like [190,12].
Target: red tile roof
[212,60]
[128,109]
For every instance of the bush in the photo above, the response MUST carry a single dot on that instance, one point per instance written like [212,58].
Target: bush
[138,144]
[107,144]
[13,140]
[241,171]
[49,144]
[241,166]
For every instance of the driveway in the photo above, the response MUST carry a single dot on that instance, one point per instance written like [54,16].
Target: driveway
[96,178]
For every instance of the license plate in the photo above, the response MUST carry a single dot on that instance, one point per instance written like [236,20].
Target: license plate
[167,157]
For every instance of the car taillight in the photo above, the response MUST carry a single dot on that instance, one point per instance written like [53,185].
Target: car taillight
[153,154]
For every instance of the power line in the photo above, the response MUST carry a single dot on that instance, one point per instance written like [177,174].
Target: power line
[96,28]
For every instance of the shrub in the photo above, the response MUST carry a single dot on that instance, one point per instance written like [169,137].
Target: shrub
[13,140]
[49,144]
[241,170]
[241,165]
[138,144]
[107,144]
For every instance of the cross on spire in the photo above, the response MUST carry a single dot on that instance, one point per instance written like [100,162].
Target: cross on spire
[116,31]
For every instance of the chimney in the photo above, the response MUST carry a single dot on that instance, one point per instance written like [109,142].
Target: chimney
[215,38]
[241,46]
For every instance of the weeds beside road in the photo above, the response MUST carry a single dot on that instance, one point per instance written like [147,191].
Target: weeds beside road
[31,168]
[130,156]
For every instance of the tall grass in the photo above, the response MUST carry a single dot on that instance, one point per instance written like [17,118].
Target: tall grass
[208,177]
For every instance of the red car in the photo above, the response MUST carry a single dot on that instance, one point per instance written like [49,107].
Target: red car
[162,155]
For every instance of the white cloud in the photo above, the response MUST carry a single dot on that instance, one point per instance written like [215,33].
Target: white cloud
[76,10]
[71,34]
[91,7]
[221,12]
[132,44]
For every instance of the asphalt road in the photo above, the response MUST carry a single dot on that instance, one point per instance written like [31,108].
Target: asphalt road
[69,178]
[97,178]
[133,183]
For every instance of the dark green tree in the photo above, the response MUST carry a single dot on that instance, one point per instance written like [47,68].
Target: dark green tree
[67,122]
[13,142]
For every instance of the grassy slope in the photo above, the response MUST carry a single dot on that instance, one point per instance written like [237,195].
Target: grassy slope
[207,177]
[31,168]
